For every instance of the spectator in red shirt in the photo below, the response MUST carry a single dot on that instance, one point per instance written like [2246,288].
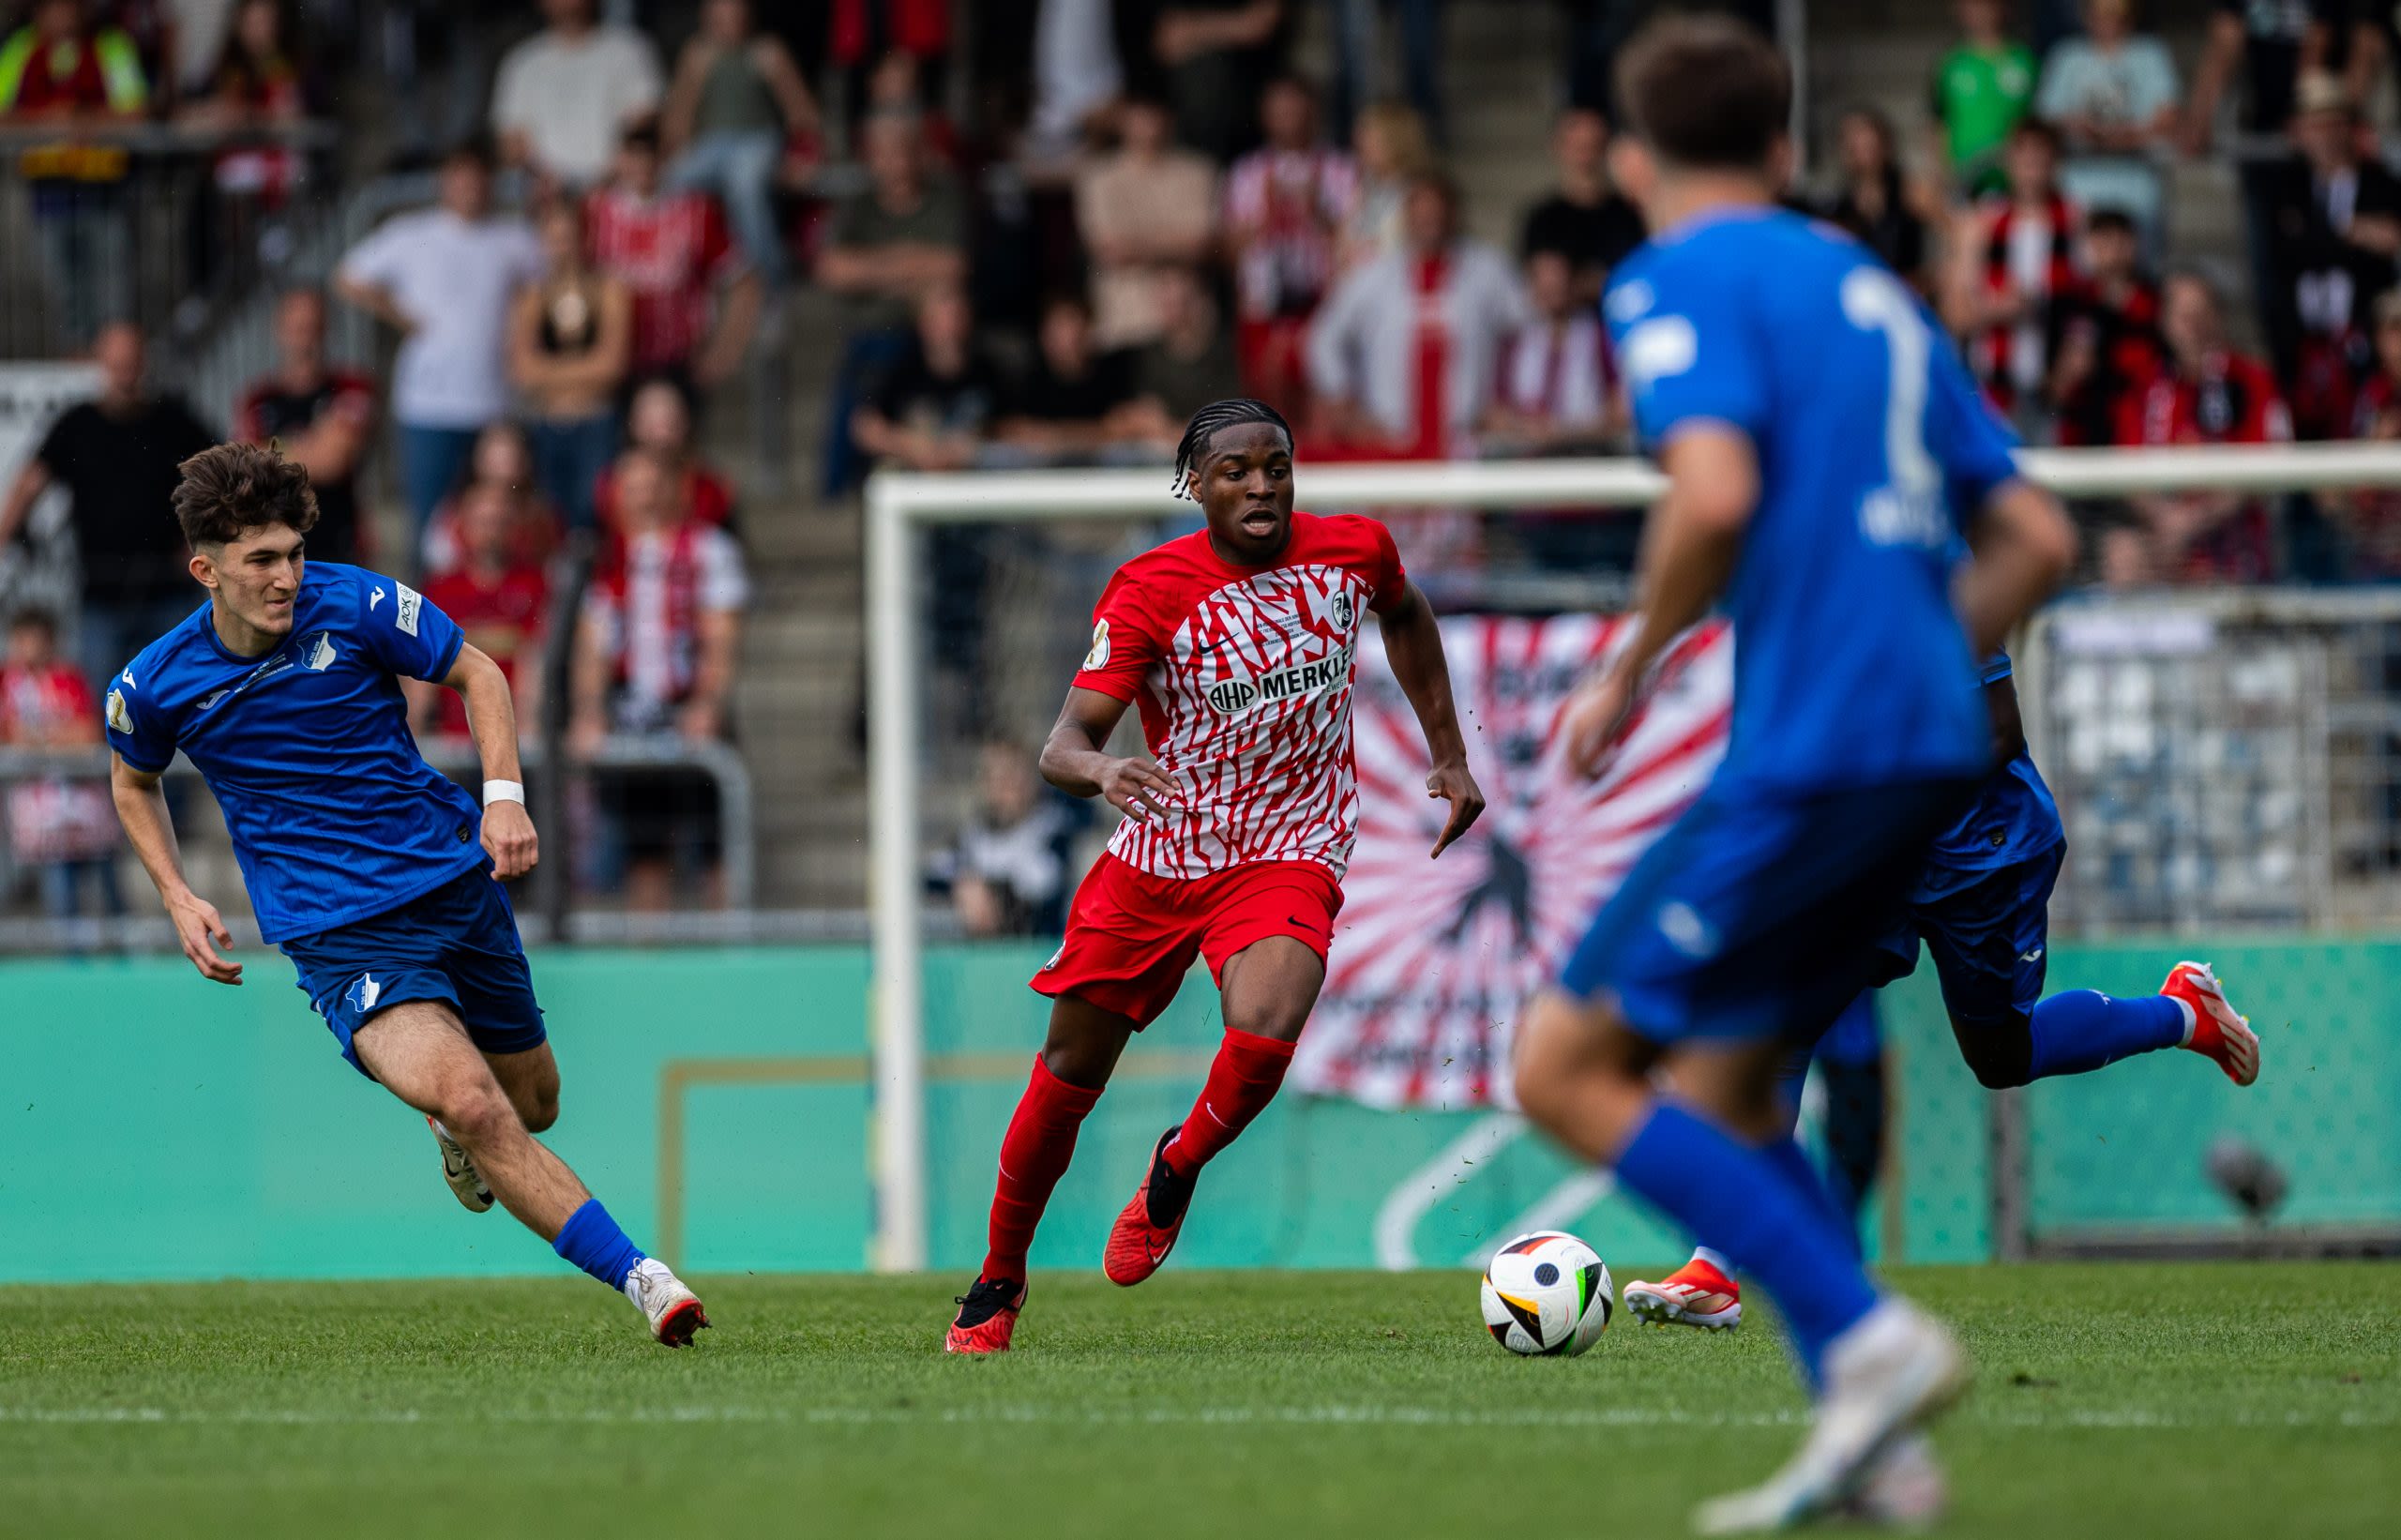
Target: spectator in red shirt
[324,418]
[1285,204]
[67,829]
[2013,261]
[2209,394]
[1558,384]
[696,303]
[503,461]
[660,423]
[2109,346]
[500,600]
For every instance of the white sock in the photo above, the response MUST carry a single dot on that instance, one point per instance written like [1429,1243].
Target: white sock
[2192,1019]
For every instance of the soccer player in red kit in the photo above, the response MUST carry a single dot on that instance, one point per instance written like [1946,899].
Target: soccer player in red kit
[1237,644]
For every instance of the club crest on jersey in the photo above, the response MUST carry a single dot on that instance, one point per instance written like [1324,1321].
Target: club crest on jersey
[1344,611]
[1236,694]
[120,715]
[320,654]
[1099,656]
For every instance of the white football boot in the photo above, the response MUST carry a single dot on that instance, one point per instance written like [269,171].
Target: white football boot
[1892,1372]
[1904,1490]
[458,1170]
[673,1311]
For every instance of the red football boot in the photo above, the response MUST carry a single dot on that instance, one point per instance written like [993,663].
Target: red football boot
[1145,1232]
[986,1317]
[1695,1294]
[2218,1031]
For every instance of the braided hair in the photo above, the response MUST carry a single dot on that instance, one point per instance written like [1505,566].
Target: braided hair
[1207,422]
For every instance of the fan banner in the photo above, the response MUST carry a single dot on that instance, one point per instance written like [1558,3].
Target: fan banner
[1432,960]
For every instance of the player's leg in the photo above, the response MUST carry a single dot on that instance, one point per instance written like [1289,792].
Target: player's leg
[530,1079]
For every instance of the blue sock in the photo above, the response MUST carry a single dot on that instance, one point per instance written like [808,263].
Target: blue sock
[592,1241]
[2083,1029]
[1744,1203]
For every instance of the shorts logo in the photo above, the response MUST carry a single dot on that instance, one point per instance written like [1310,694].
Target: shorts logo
[1686,931]
[1054,961]
[364,993]
[1233,696]
[2032,957]
[1099,656]
[405,603]
[120,715]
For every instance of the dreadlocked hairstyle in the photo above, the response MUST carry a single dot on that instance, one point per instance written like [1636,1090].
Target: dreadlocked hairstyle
[1205,426]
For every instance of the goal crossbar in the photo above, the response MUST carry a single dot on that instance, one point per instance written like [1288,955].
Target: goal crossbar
[900,504]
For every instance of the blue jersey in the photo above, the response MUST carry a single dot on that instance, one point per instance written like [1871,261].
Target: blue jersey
[2014,820]
[334,814]
[1873,450]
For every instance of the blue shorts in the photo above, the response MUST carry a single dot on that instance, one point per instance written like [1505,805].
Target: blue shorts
[457,944]
[1758,916]
[1989,935]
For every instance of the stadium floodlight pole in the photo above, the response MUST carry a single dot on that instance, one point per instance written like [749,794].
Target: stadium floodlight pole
[898,504]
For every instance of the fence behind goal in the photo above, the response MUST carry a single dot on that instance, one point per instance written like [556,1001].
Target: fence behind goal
[2264,773]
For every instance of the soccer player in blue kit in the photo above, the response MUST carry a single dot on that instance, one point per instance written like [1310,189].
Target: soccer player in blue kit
[363,863]
[1825,453]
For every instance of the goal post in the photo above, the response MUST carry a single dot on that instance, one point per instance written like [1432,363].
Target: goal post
[902,506]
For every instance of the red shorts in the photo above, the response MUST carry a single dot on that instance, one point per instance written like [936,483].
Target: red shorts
[1131,937]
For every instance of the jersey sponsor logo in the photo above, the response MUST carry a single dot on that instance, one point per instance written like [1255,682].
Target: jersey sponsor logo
[1099,656]
[1233,696]
[120,716]
[1659,348]
[373,599]
[321,653]
[405,604]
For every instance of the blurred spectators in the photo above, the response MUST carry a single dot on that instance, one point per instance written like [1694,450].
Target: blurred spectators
[323,418]
[443,278]
[1404,355]
[500,596]
[119,458]
[1007,874]
[570,344]
[1874,201]
[260,81]
[64,67]
[934,409]
[1078,74]
[1191,364]
[2209,394]
[1584,218]
[1143,209]
[1076,403]
[63,828]
[1420,26]
[695,303]
[2113,96]
[1393,151]
[736,101]
[2371,519]
[2014,259]
[502,462]
[1216,56]
[1982,89]
[654,658]
[660,422]
[564,95]
[2337,230]
[2108,341]
[885,248]
[1558,384]
[880,44]
[1285,204]
[2257,44]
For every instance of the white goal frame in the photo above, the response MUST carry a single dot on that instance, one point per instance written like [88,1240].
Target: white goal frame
[900,507]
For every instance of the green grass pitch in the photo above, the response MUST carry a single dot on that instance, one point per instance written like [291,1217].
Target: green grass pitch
[2123,1401]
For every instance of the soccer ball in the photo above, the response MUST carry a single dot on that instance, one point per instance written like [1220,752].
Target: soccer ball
[1548,1293]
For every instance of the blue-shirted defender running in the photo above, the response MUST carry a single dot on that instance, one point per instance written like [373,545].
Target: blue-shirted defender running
[1825,453]
[377,876]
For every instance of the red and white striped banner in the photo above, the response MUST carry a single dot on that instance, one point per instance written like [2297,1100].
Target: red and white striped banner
[1432,960]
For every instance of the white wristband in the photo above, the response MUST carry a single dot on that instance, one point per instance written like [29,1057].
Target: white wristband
[504,791]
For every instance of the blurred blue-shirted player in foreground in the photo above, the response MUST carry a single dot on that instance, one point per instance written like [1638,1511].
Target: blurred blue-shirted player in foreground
[373,874]
[1825,452]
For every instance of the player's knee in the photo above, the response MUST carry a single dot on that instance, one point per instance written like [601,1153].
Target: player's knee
[1276,1021]
[539,1110]
[2000,1053]
[478,1115]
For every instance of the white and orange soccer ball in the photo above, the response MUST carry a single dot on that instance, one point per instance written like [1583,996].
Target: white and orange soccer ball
[1547,1293]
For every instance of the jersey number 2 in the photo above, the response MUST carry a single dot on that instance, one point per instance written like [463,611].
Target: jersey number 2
[1908,508]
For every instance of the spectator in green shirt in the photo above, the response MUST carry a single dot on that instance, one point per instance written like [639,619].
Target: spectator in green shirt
[1982,88]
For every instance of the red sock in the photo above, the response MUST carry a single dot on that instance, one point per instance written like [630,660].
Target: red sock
[1242,1081]
[1034,1155]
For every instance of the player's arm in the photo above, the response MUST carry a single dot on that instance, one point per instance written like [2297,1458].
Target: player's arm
[141,808]
[2008,723]
[491,717]
[2023,545]
[1689,548]
[1413,645]
[1075,759]
[24,493]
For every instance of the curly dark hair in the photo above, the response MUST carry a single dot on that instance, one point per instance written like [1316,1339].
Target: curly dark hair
[235,487]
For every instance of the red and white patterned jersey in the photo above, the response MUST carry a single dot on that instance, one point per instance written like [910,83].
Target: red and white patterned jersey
[1243,675]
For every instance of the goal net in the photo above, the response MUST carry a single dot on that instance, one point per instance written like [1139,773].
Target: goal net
[2186,747]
